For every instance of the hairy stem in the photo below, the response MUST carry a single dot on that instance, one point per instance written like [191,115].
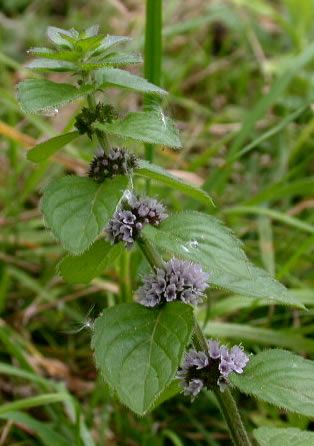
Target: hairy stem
[125,279]
[225,399]
[199,340]
[153,257]
[232,417]
[91,100]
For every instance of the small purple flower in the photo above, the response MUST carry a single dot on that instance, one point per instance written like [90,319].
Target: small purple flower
[196,359]
[238,358]
[214,349]
[178,280]
[117,162]
[127,223]
[193,388]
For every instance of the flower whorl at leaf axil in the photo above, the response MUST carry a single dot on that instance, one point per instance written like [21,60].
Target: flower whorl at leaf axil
[177,280]
[117,162]
[212,368]
[127,222]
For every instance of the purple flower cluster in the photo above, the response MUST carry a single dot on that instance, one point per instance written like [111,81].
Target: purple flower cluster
[178,280]
[117,162]
[200,369]
[127,222]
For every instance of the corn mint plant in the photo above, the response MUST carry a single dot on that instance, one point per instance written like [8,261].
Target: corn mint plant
[151,340]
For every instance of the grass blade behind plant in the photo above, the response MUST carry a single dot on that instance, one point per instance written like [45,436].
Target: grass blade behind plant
[152,57]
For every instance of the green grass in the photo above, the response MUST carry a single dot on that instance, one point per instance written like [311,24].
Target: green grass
[241,93]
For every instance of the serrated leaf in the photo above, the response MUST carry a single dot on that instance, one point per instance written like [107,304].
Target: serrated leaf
[138,350]
[273,436]
[47,148]
[119,59]
[88,44]
[205,240]
[107,77]
[48,53]
[92,263]
[111,61]
[57,36]
[51,65]
[77,209]
[280,378]
[154,172]
[92,31]
[110,42]
[39,95]
[149,127]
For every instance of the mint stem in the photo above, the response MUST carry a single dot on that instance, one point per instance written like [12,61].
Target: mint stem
[225,399]
[232,417]
[153,257]
[91,100]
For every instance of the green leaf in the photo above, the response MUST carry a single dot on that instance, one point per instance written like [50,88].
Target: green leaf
[51,65]
[41,95]
[205,240]
[92,263]
[280,378]
[274,436]
[172,390]
[92,31]
[110,42]
[43,430]
[154,172]
[107,77]
[58,36]
[149,127]
[77,209]
[47,148]
[138,350]
[88,44]
[48,53]
[120,59]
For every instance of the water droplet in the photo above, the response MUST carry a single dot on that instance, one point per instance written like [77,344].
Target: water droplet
[49,112]
[193,243]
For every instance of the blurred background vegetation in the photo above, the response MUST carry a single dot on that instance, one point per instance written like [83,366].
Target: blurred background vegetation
[240,77]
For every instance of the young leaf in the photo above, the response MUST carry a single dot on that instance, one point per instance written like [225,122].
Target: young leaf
[280,378]
[57,36]
[77,209]
[205,240]
[51,65]
[120,59]
[88,44]
[47,53]
[110,42]
[107,77]
[274,436]
[92,263]
[138,350]
[149,127]
[47,148]
[40,95]
[92,31]
[154,172]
